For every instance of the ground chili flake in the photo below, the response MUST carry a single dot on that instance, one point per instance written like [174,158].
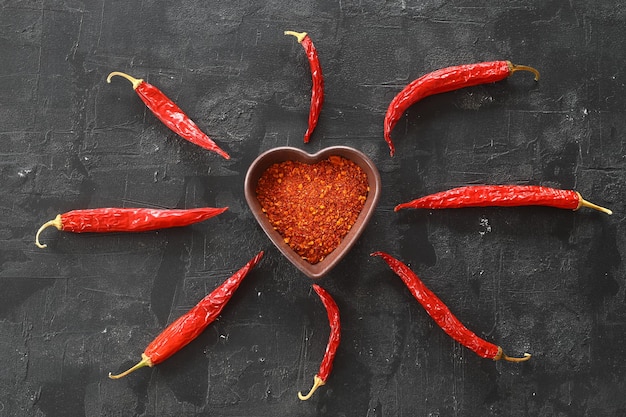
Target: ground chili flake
[313,206]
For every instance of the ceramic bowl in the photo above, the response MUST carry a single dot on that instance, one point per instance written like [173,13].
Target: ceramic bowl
[281,154]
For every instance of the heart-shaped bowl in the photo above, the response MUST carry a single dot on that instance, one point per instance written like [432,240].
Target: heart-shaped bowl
[282,154]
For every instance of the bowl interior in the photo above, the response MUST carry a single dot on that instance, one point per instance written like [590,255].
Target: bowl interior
[281,154]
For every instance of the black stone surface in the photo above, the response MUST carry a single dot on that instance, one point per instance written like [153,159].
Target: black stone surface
[539,280]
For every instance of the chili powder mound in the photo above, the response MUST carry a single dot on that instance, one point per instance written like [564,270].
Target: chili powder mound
[313,206]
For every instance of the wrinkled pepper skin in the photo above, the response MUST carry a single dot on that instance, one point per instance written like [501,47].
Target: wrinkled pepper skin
[501,196]
[170,114]
[317,89]
[334,339]
[442,315]
[112,219]
[444,80]
[133,219]
[173,117]
[190,325]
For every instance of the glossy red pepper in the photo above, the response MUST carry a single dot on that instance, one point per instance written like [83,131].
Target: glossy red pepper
[170,114]
[502,196]
[126,219]
[333,341]
[190,325]
[442,314]
[317,90]
[444,80]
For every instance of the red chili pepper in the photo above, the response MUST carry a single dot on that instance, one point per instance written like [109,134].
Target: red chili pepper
[317,90]
[442,314]
[502,196]
[126,219]
[170,114]
[189,326]
[333,341]
[444,80]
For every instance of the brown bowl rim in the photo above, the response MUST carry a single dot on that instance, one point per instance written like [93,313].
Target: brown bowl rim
[288,153]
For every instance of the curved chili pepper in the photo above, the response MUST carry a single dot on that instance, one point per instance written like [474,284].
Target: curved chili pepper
[502,196]
[442,314]
[317,90]
[126,219]
[444,80]
[170,114]
[189,326]
[333,341]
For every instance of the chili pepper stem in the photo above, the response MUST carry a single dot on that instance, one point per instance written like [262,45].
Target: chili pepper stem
[299,35]
[584,203]
[514,67]
[134,81]
[522,359]
[56,222]
[501,355]
[317,382]
[145,361]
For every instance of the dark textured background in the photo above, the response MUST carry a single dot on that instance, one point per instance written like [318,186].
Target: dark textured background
[541,280]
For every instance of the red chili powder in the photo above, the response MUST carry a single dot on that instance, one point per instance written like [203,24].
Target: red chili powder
[313,207]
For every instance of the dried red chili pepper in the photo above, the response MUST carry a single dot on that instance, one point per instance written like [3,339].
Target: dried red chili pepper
[317,90]
[442,314]
[189,326]
[502,196]
[444,80]
[126,219]
[333,341]
[170,114]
